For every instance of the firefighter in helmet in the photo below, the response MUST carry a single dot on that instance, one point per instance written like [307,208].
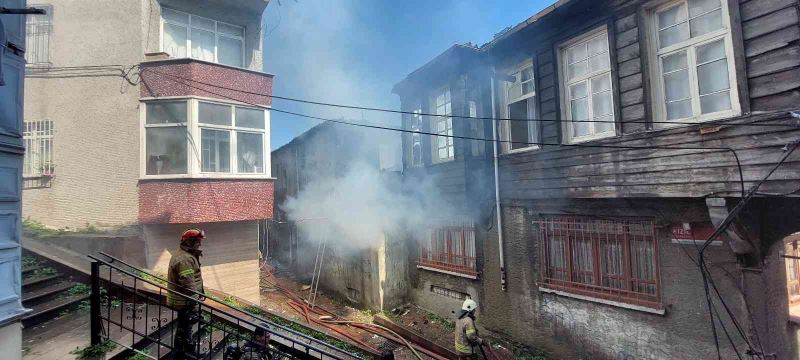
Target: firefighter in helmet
[184,274]
[466,333]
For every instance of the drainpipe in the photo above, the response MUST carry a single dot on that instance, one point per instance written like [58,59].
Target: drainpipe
[498,210]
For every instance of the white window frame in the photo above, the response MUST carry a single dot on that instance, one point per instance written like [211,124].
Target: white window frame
[217,34]
[38,134]
[39,25]
[449,131]
[194,140]
[416,138]
[533,126]
[655,55]
[566,106]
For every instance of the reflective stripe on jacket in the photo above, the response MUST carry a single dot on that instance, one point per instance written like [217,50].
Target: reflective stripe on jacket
[466,335]
[184,270]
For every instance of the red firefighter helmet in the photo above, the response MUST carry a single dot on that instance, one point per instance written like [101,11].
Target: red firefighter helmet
[193,234]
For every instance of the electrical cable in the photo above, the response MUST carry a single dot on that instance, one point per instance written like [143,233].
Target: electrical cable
[366,108]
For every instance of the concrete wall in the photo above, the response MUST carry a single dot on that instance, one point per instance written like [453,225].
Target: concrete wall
[11,341]
[95,116]
[230,255]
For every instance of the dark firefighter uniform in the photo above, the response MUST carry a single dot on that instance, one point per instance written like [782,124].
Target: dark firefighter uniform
[184,275]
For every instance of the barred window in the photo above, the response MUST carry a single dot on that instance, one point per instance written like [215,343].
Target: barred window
[38,138]
[37,40]
[450,249]
[614,260]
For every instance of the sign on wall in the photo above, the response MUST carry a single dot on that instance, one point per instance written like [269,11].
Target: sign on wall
[693,233]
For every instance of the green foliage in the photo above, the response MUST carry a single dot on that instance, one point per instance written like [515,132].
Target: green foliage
[156,278]
[79,289]
[138,356]
[37,230]
[85,304]
[93,352]
[43,272]
[445,323]
[30,261]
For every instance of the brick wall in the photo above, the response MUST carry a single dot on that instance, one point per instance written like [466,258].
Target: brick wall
[204,200]
[187,77]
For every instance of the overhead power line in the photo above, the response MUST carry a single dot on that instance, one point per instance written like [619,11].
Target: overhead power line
[366,108]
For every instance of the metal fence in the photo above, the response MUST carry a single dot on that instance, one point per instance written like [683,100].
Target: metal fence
[128,307]
[610,259]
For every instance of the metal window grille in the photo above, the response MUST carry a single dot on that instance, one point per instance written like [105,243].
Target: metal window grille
[38,138]
[450,248]
[609,259]
[438,290]
[38,30]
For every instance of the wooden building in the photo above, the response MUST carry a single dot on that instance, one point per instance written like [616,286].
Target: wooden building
[628,130]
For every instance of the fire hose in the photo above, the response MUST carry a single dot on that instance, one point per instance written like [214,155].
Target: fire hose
[330,320]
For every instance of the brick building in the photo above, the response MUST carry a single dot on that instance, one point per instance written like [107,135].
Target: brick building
[590,248]
[132,123]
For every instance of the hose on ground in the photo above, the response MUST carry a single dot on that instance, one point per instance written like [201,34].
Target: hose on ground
[330,320]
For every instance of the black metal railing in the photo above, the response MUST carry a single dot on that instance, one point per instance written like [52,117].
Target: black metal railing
[128,307]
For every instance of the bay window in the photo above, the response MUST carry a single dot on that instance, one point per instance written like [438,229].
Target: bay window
[520,106]
[694,71]
[587,88]
[185,35]
[231,139]
[442,125]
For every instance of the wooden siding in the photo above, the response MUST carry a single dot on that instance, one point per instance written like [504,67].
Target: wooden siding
[770,31]
[603,172]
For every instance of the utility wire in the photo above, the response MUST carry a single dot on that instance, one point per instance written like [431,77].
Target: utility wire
[366,108]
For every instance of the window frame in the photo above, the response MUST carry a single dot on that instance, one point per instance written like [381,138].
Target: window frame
[447,261]
[533,126]
[194,139]
[48,23]
[415,137]
[190,28]
[581,227]
[563,85]
[435,120]
[654,56]
[42,135]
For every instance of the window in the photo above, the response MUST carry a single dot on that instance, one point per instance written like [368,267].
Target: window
[38,139]
[416,137]
[613,260]
[521,106]
[792,259]
[443,148]
[37,41]
[185,35]
[231,138]
[587,89]
[450,249]
[693,49]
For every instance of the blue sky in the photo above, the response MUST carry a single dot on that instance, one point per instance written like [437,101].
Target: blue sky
[354,51]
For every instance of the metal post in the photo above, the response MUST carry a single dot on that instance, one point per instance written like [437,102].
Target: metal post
[96,327]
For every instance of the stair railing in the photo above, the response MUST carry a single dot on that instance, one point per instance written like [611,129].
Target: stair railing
[121,305]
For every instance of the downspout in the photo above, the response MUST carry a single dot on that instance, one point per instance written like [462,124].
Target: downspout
[498,209]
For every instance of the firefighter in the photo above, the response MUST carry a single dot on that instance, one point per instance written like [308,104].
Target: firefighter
[466,333]
[184,274]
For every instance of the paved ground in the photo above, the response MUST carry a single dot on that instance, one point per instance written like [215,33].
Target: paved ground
[54,339]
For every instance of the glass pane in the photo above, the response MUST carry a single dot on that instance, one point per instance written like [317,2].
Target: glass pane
[601,104]
[527,74]
[716,102]
[580,112]
[208,113]
[578,90]
[713,77]
[672,16]
[598,45]
[673,35]
[577,69]
[203,23]
[599,62]
[576,53]
[710,52]
[175,38]
[605,124]
[514,90]
[697,7]
[166,112]
[215,150]
[202,45]
[172,15]
[250,149]
[601,83]
[251,118]
[518,129]
[679,109]
[443,153]
[674,62]
[230,29]
[706,23]
[676,85]
[527,87]
[166,150]
[230,52]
